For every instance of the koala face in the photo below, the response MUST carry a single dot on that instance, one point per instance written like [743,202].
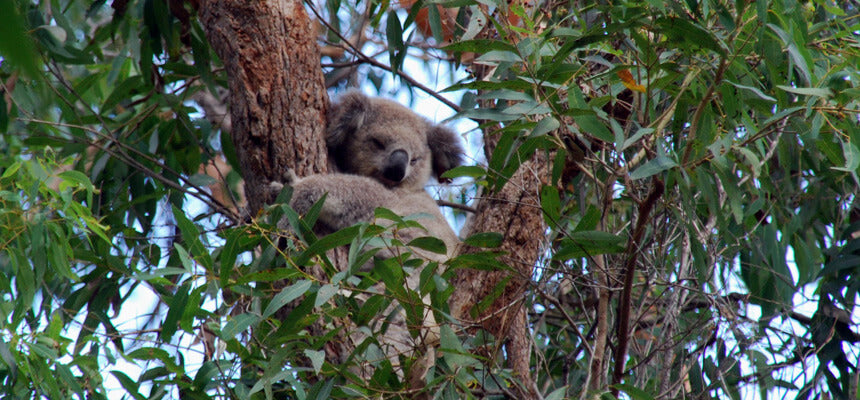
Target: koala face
[383,140]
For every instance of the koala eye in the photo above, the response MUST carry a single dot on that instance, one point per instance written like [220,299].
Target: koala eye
[377,143]
[414,161]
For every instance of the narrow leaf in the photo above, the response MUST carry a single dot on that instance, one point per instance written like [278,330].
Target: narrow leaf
[485,240]
[589,243]
[237,325]
[653,167]
[286,295]
[325,293]
[816,92]
[429,243]
[756,91]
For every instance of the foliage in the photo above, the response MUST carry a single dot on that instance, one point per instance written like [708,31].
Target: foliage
[703,191]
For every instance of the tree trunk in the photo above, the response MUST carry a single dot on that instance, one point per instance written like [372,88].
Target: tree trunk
[515,212]
[277,102]
[277,93]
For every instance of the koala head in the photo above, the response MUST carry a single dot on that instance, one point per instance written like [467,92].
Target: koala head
[388,142]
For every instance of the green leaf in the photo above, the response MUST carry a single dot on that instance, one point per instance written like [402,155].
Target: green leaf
[527,108]
[130,386]
[325,293]
[589,243]
[852,158]
[286,295]
[328,242]
[206,374]
[191,236]
[391,272]
[15,45]
[498,56]
[479,46]
[485,240]
[384,213]
[546,125]
[795,53]
[477,23]
[429,243]
[237,325]
[815,92]
[394,33]
[177,307]
[435,23]
[589,221]
[634,392]
[228,254]
[452,350]
[317,358]
[587,121]
[558,394]
[635,138]
[184,258]
[123,91]
[683,30]
[471,171]
[550,202]
[153,353]
[202,180]
[7,356]
[756,91]
[657,165]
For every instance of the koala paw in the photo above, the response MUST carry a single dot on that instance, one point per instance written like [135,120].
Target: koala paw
[289,176]
[276,186]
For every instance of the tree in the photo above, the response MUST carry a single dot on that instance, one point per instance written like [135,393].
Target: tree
[672,188]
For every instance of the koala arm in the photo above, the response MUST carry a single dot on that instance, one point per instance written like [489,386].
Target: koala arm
[351,198]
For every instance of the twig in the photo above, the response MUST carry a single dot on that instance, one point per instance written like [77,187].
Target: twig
[445,203]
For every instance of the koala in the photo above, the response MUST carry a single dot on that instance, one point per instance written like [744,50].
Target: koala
[383,154]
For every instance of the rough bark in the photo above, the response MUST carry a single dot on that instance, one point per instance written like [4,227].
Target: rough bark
[277,100]
[277,92]
[515,212]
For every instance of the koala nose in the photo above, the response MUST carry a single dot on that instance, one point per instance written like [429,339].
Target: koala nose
[395,168]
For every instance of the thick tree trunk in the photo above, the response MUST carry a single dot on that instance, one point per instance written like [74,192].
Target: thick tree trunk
[277,101]
[277,93]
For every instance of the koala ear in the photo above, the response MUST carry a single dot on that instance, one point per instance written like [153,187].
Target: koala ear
[345,117]
[445,148]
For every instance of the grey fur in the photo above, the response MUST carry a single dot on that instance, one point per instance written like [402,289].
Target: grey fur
[385,154]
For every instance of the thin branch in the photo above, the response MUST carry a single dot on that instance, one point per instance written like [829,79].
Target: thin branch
[445,203]
[200,194]
[369,60]
[121,154]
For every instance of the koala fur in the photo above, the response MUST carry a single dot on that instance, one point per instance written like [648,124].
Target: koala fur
[383,155]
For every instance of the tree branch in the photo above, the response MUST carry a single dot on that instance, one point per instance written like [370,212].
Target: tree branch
[633,247]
